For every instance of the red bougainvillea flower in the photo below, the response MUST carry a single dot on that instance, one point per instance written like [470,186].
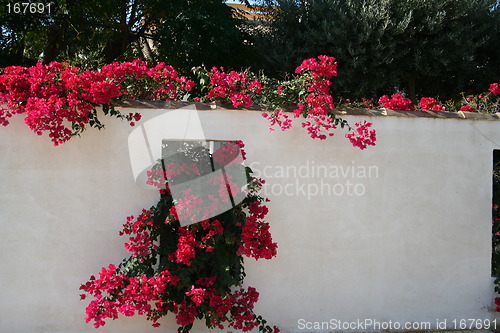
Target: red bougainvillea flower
[280,118]
[61,100]
[235,87]
[494,88]
[197,295]
[189,270]
[314,102]
[318,125]
[467,108]
[326,66]
[396,102]
[362,136]
[429,103]
[317,100]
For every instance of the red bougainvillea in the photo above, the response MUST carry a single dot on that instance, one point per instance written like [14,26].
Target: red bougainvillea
[396,102]
[189,270]
[61,99]
[429,103]
[310,93]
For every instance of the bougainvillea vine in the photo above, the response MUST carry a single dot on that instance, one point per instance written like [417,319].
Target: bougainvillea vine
[193,271]
[62,100]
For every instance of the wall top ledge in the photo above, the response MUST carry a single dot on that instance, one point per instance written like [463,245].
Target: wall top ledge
[382,112]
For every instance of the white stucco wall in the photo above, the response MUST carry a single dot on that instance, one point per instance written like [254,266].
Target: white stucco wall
[408,239]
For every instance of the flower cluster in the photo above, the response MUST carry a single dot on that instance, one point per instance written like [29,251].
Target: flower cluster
[468,108]
[488,102]
[326,67]
[188,270]
[237,87]
[310,91]
[256,239]
[163,81]
[139,243]
[494,89]
[186,247]
[396,102]
[429,103]
[362,136]
[115,293]
[317,101]
[280,118]
[61,99]
[317,123]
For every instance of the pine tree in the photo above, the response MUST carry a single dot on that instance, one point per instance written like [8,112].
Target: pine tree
[422,47]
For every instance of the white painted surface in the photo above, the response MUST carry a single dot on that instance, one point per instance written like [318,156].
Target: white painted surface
[410,243]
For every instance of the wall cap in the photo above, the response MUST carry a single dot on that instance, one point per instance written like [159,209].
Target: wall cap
[342,111]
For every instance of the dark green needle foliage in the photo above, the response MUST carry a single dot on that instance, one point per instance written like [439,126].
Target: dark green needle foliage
[421,47]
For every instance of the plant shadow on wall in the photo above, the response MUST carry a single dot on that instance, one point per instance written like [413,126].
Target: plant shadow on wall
[187,250]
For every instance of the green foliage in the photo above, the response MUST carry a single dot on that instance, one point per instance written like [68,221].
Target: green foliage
[91,33]
[200,32]
[73,30]
[426,47]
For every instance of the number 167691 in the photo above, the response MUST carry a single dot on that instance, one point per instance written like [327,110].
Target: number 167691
[28,8]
